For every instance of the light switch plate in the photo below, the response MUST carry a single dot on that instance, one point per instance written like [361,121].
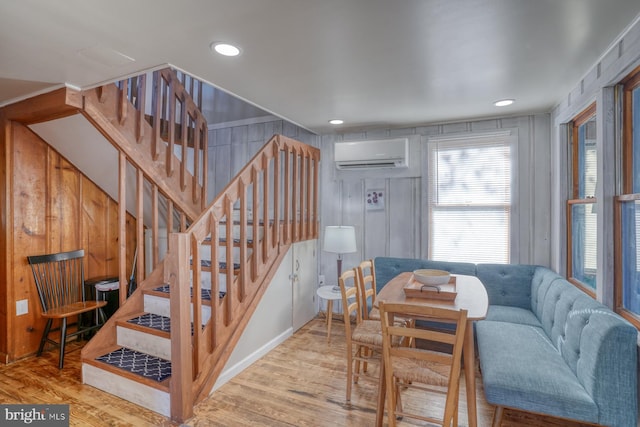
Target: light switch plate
[22,307]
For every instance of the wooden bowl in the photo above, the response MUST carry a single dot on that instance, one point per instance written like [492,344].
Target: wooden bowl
[432,277]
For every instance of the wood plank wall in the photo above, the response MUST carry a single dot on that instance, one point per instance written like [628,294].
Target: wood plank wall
[396,230]
[230,148]
[52,207]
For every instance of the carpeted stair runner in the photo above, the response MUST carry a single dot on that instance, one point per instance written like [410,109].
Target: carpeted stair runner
[205,293]
[154,321]
[138,363]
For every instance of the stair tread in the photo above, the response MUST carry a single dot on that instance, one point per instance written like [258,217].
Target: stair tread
[154,321]
[205,293]
[222,264]
[138,363]
[223,240]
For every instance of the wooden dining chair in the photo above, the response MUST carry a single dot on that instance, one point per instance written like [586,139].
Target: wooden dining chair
[367,281]
[59,280]
[364,338]
[418,368]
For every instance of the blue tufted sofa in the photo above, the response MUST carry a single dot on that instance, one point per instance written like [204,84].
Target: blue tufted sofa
[545,346]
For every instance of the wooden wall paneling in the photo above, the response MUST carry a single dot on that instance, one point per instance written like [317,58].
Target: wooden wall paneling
[531,206]
[239,153]
[131,242]
[272,128]
[54,208]
[541,191]
[222,171]
[65,199]
[5,226]
[523,198]
[29,233]
[255,132]
[376,235]
[330,207]
[111,238]
[424,203]
[96,225]
[252,148]
[403,204]
[352,208]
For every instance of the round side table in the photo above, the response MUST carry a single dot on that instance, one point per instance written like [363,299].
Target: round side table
[327,293]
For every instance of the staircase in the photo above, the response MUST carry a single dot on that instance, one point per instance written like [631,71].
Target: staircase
[138,366]
[168,342]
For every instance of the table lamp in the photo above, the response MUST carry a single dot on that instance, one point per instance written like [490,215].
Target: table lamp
[339,239]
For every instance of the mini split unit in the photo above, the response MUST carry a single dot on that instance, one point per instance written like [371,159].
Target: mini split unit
[386,153]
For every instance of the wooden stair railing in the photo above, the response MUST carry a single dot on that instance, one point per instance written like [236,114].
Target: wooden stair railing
[275,201]
[269,186]
[147,133]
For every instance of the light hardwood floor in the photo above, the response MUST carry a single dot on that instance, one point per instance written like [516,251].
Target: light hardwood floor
[300,383]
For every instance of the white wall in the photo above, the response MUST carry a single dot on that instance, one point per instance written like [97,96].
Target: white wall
[232,147]
[398,230]
[269,326]
[597,85]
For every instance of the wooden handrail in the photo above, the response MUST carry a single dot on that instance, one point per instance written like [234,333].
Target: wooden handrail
[259,181]
[129,131]
[187,129]
[272,201]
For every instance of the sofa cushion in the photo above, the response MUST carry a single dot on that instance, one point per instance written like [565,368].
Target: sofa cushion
[503,313]
[540,283]
[522,369]
[558,301]
[507,284]
[387,268]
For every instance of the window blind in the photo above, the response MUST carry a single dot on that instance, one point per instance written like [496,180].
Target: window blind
[469,199]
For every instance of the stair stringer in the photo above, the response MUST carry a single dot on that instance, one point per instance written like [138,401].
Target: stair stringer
[101,108]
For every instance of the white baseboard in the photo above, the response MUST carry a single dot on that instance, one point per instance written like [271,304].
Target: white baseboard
[234,370]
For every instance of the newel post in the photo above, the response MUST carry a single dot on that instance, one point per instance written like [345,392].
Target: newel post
[177,276]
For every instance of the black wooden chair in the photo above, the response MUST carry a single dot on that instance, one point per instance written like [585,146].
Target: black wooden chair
[60,282]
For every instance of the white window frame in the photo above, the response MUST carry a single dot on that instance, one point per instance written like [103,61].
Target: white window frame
[509,136]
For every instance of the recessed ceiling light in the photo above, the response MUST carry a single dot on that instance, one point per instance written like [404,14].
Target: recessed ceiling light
[336,121]
[503,102]
[225,49]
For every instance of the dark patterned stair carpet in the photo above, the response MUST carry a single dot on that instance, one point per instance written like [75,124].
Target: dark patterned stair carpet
[223,265]
[154,321]
[206,293]
[235,241]
[138,363]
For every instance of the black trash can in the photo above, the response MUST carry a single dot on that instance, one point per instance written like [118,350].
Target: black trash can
[104,289]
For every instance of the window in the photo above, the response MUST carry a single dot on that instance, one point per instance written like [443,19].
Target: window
[469,198]
[581,205]
[627,225]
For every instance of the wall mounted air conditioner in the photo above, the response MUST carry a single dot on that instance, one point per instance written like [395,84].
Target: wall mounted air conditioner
[386,153]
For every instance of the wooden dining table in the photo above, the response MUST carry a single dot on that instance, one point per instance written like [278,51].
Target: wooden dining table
[471,296]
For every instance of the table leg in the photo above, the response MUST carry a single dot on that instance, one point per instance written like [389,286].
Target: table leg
[329,317]
[382,391]
[470,374]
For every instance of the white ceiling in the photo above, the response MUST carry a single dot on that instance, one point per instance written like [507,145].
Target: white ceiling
[373,63]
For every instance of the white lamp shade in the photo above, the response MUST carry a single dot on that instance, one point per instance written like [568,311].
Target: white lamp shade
[340,239]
